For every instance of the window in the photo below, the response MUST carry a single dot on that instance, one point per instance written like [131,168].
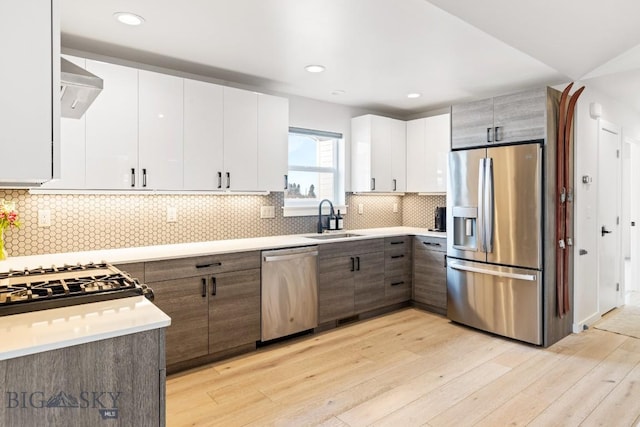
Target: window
[315,160]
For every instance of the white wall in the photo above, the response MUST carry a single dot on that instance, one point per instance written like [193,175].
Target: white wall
[585,207]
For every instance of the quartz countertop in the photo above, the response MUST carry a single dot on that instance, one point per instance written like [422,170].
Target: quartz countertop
[162,252]
[38,331]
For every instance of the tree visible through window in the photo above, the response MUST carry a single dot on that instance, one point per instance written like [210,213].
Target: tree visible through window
[313,167]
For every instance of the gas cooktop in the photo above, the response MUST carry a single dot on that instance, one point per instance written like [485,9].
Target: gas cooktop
[50,287]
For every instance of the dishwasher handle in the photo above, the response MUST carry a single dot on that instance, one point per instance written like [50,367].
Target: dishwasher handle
[273,258]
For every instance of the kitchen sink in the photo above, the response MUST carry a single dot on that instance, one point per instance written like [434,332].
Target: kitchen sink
[329,236]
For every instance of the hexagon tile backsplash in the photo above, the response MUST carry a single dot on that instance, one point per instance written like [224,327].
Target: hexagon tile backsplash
[82,222]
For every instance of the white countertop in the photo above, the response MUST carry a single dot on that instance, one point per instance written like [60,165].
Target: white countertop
[38,331]
[29,333]
[160,252]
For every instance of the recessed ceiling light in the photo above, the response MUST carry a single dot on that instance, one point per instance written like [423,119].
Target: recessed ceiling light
[315,68]
[129,18]
[413,95]
[338,92]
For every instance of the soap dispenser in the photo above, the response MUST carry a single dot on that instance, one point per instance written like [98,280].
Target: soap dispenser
[339,221]
[332,221]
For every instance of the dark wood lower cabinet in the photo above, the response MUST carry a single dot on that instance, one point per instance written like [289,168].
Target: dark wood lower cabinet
[369,282]
[430,273]
[210,313]
[336,289]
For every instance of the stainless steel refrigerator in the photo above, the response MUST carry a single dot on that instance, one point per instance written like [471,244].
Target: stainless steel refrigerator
[495,241]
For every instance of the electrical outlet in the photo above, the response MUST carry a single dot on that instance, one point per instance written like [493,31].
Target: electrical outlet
[44,218]
[360,208]
[267,212]
[172,214]
[395,208]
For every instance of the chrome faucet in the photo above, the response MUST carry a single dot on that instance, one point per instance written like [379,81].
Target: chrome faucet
[321,227]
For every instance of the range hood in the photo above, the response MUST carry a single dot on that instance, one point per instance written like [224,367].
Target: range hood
[78,89]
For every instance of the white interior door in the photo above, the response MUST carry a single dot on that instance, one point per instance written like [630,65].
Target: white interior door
[609,213]
[634,217]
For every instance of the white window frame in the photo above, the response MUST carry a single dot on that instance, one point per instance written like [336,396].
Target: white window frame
[302,207]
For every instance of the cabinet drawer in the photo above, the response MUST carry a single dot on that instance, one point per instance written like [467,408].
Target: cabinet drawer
[397,288]
[338,249]
[432,243]
[397,244]
[202,265]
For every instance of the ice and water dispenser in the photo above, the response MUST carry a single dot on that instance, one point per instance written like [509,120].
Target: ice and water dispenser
[465,235]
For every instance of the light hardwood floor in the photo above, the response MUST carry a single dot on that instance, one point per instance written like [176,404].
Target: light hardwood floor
[412,368]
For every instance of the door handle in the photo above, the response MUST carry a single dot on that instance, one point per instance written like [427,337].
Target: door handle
[353,264]
[204,288]
[219,179]
[373,184]
[358,263]
[604,231]
[144,177]
[228,179]
[133,177]
[489,135]
[286,182]
[395,184]
[214,286]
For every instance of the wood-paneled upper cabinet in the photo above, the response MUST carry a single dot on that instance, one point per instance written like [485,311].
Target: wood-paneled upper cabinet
[29,105]
[428,142]
[504,119]
[160,132]
[378,160]
[72,147]
[112,130]
[273,142]
[203,135]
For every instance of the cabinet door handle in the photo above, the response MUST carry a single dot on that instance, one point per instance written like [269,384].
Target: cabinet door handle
[353,264]
[395,184]
[445,260]
[489,135]
[133,177]
[431,244]
[373,184]
[228,180]
[219,179]
[398,243]
[397,283]
[204,287]
[214,286]
[358,263]
[144,177]
[286,182]
[397,256]
[495,134]
[211,264]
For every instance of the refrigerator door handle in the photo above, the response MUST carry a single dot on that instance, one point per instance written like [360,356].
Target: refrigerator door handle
[488,204]
[527,277]
[480,227]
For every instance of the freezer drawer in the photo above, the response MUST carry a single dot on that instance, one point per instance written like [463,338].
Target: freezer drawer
[503,300]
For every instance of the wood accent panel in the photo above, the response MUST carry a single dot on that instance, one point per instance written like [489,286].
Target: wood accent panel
[234,310]
[210,264]
[183,301]
[416,368]
[87,373]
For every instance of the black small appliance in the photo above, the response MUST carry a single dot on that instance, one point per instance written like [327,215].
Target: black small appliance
[440,222]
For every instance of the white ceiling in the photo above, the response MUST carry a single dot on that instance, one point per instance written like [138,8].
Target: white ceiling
[377,51]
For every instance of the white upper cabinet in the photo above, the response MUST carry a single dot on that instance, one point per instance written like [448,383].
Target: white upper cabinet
[378,154]
[112,130]
[29,105]
[160,131]
[240,140]
[428,142]
[203,135]
[273,142]
[72,147]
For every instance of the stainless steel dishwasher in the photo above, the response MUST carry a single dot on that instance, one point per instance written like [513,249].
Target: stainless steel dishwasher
[289,291]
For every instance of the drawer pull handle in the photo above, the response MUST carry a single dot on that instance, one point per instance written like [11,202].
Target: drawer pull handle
[397,256]
[211,264]
[398,243]
[431,244]
[397,283]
